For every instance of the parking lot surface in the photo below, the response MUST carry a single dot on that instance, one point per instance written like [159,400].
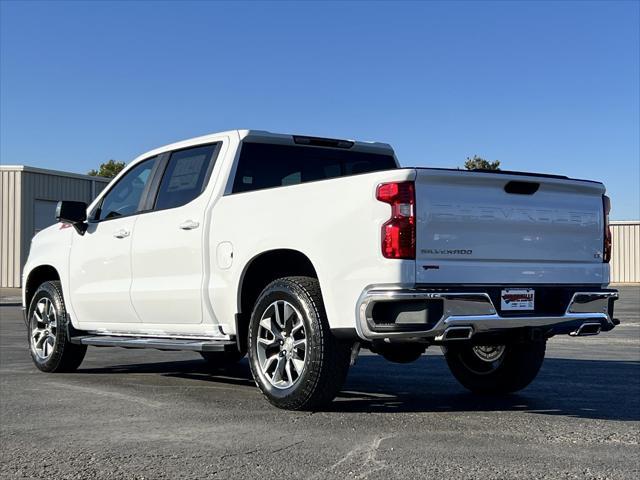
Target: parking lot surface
[148,414]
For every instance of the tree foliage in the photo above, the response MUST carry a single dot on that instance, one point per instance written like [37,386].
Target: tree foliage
[479,163]
[108,169]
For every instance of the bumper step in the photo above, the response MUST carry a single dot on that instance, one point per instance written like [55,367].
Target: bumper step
[157,343]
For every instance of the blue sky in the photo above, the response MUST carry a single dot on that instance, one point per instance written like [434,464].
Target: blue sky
[543,86]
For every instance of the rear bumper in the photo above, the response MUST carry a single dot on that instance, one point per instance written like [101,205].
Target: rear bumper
[461,315]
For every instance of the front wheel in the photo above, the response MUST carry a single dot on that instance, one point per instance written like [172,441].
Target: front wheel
[49,344]
[495,369]
[295,360]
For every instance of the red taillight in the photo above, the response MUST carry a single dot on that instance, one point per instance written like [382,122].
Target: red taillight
[606,205]
[399,232]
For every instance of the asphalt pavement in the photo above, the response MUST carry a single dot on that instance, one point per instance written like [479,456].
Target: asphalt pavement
[145,414]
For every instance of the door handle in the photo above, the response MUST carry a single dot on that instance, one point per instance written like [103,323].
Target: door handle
[188,225]
[122,233]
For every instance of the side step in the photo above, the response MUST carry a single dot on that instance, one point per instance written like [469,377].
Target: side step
[157,343]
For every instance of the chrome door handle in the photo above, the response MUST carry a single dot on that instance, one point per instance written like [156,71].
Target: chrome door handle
[122,233]
[188,225]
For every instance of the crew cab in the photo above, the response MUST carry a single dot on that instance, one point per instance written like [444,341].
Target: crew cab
[300,250]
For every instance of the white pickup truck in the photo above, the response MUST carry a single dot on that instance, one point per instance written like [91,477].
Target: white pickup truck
[299,250]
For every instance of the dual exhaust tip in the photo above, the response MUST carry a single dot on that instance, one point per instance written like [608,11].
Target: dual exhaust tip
[456,333]
[466,332]
[587,329]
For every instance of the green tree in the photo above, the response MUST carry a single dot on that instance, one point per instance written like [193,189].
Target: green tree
[479,163]
[108,169]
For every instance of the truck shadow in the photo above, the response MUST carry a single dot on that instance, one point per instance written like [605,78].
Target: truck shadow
[592,389]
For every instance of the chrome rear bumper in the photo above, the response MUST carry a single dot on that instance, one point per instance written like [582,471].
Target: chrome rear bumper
[466,314]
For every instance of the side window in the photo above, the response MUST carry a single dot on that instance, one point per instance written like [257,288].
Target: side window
[186,176]
[124,197]
[270,165]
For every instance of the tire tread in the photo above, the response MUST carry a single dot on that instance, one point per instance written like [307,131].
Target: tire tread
[334,355]
[67,356]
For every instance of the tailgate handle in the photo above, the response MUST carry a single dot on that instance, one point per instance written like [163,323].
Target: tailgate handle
[521,188]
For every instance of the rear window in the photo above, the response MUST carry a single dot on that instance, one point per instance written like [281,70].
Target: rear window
[263,165]
[185,176]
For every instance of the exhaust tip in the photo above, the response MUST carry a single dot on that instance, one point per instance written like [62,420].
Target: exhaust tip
[586,329]
[457,333]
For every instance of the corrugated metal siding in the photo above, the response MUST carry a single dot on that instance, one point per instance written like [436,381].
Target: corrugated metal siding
[10,231]
[100,185]
[625,256]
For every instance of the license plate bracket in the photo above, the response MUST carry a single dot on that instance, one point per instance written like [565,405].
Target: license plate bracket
[517,299]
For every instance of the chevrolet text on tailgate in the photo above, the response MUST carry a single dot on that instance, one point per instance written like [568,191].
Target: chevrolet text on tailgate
[299,250]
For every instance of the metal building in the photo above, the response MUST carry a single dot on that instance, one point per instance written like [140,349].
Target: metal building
[625,254]
[28,199]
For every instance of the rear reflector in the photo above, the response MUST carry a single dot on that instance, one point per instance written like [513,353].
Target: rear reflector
[399,232]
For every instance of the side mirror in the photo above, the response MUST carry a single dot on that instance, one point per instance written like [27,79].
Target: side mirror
[73,213]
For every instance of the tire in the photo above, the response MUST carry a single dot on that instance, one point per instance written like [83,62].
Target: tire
[222,359]
[512,370]
[303,366]
[401,352]
[49,343]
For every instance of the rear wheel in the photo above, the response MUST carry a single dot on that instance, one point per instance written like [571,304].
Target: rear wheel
[49,344]
[495,368]
[295,360]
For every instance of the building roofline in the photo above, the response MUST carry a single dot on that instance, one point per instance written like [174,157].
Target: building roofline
[624,222]
[58,173]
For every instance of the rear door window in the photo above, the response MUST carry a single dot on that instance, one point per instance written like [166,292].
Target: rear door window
[263,165]
[185,176]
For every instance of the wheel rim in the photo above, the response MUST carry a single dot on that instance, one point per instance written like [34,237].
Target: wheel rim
[281,344]
[488,353]
[483,359]
[44,325]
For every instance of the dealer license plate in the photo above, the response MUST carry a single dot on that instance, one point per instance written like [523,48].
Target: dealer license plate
[517,299]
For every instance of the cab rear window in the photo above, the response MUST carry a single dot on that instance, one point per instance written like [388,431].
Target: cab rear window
[263,165]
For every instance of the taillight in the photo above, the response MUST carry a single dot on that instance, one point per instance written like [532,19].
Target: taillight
[606,205]
[399,232]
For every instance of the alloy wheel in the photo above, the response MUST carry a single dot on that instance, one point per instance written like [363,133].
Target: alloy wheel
[44,325]
[281,344]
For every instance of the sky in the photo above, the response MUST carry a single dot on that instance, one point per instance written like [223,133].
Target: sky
[548,87]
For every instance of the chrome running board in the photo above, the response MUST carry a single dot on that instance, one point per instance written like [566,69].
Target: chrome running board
[157,343]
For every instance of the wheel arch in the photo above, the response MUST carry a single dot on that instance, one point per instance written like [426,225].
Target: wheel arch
[261,270]
[36,277]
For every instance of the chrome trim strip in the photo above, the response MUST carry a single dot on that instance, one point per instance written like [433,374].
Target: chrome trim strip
[476,310]
[158,335]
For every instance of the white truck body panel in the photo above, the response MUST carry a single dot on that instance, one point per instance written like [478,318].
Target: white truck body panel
[99,273]
[475,232]
[336,224]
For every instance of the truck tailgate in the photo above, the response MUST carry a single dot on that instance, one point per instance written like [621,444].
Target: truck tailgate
[502,228]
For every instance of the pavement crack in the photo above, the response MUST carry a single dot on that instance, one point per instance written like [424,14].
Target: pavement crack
[251,452]
[287,446]
[364,456]
[105,393]
[229,455]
